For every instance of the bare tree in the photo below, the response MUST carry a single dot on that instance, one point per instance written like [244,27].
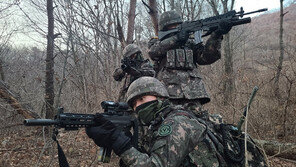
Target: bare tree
[153,12]
[130,25]
[91,34]
[131,21]
[280,114]
[281,57]
[6,32]
[49,85]
[229,81]
[87,29]
[214,5]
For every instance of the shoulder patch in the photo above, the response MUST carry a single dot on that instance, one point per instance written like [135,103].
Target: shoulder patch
[165,130]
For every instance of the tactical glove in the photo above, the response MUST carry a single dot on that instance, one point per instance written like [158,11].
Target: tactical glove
[106,134]
[223,28]
[118,74]
[130,70]
[182,37]
[152,41]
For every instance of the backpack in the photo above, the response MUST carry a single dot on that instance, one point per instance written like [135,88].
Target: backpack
[223,145]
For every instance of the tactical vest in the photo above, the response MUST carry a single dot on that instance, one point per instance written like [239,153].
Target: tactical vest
[179,72]
[181,59]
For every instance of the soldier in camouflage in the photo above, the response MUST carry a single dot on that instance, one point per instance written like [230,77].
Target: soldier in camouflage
[176,58]
[175,137]
[129,72]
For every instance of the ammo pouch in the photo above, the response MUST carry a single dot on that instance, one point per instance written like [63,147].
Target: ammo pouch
[180,59]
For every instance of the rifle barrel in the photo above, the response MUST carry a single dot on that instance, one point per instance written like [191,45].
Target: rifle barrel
[39,122]
[257,11]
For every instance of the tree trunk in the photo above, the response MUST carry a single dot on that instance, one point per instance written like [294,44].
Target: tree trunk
[131,22]
[281,43]
[273,148]
[214,6]
[49,86]
[120,33]
[279,116]
[229,81]
[2,76]
[153,12]
[228,71]
[172,4]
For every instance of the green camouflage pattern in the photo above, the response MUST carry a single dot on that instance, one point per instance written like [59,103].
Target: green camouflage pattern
[169,18]
[187,142]
[146,85]
[185,83]
[168,150]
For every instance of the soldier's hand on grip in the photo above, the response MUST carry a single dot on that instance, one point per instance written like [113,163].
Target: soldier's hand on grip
[223,28]
[107,135]
[182,37]
[103,134]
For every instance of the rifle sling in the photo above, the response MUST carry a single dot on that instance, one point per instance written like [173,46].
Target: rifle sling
[62,157]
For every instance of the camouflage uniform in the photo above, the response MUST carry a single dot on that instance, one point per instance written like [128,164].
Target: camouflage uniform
[181,138]
[145,69]
[188,142]
[176,64]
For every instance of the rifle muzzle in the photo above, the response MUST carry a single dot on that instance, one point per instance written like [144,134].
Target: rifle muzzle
[39,122]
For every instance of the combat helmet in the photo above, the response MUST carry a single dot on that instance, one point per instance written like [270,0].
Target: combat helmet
[146,86]
[131,49]
[168,18]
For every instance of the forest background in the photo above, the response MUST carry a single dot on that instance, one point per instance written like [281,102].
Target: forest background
[81,44]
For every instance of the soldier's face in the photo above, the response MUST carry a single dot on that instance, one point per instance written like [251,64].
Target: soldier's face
[172,26]
[142,100]
[133,56]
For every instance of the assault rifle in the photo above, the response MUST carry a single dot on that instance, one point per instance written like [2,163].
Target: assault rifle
[129,66]
[114,112]
[211,24]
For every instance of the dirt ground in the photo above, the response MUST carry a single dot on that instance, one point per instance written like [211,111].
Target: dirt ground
[26,148]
